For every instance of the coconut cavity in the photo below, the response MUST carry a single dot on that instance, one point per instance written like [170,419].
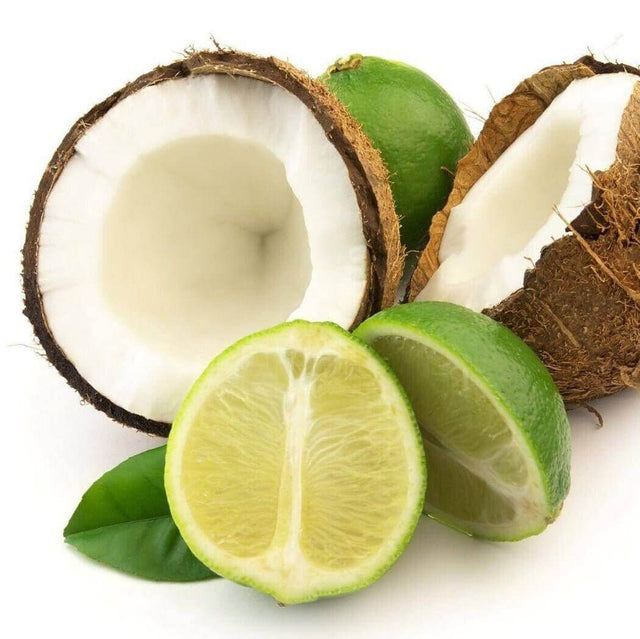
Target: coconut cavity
[205,201]
[524,201]
[217,243]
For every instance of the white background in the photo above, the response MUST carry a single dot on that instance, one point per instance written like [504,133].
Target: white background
[580,578]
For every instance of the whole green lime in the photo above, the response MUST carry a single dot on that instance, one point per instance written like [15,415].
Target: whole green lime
[415,124]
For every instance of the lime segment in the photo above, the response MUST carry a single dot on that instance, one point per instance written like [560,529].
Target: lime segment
[295,464]
[493,424]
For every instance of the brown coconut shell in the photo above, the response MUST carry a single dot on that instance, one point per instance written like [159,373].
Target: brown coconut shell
[579,306]
[366,170]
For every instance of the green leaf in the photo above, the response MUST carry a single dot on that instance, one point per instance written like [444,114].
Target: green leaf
[124,521]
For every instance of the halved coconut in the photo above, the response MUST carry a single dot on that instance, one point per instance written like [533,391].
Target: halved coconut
[541,230]
[208,199]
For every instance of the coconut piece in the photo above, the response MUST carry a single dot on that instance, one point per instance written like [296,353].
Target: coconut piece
[541,230]
[208,199]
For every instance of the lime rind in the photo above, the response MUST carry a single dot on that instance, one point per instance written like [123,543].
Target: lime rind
[324,582]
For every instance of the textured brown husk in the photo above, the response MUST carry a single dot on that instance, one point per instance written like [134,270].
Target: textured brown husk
[579,307]
[366,171]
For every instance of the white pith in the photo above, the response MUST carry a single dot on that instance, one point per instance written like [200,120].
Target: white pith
[196,211]
[283,570]
[522,203]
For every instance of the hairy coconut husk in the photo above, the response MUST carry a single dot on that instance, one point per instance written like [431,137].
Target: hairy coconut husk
[366,169]
[579,307]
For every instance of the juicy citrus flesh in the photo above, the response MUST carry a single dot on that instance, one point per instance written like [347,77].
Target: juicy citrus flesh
[485,476]
[295,464]
[482,476]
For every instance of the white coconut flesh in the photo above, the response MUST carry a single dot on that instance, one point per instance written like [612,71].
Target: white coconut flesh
[522,203]
[195,212]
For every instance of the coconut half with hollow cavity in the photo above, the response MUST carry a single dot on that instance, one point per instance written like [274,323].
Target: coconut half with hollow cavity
[542,228]
[208,199]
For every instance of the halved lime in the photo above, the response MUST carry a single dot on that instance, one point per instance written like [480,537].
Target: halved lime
[493,424]
[295,464]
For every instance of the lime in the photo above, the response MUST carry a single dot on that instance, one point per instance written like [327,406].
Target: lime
[295,464]
[493,424]
[415,124]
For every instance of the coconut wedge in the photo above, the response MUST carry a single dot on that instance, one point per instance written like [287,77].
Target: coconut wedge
[541,230]
[208,199]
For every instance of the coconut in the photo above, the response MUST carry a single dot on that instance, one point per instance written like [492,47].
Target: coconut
[206,200]
[541,230]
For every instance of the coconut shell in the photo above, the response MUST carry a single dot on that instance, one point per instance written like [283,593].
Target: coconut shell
[366,170]
[579,306]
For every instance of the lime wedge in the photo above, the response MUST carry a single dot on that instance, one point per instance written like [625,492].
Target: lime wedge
[493,424]
[295,464]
